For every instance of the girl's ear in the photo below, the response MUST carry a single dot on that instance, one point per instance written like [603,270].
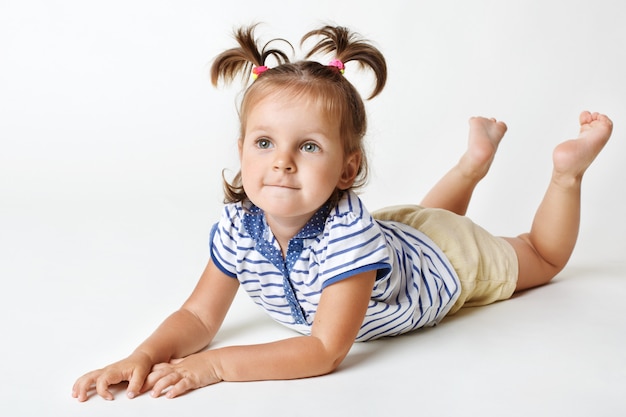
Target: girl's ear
[350,171]
[240,147]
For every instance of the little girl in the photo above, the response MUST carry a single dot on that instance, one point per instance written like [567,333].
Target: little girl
[300,242]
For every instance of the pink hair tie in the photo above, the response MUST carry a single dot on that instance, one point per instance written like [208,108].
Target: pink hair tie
[337,64]
[256,71]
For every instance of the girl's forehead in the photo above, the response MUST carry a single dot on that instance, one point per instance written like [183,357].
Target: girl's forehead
[314,101]
[301,112]
[286,97]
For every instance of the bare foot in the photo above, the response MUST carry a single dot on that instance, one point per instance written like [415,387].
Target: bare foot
[484,137]
[572,158]
[454,190]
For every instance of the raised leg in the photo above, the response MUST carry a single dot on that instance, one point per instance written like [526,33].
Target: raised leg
[454,190]
[546,249]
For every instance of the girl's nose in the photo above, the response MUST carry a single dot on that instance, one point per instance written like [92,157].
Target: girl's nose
[284,162]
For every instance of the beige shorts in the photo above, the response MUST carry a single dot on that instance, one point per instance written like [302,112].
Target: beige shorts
[486,265]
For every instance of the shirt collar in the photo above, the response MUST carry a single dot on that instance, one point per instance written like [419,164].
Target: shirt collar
[255,224]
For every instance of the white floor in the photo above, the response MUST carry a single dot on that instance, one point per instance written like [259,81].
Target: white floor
[86,289]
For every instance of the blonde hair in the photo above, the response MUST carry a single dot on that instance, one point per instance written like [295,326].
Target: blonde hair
[325,84]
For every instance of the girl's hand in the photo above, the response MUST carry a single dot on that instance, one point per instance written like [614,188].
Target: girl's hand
[182,375]
[133,369]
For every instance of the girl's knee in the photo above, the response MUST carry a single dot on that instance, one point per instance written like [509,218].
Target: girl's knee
[534,270]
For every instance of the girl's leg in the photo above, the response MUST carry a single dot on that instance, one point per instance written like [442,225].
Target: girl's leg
[545,250]
[454,191]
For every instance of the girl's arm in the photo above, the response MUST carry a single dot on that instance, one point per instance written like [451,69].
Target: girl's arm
[194,326]
[338,319]
[186,331]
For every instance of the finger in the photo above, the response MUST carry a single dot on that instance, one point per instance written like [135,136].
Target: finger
[77,389]
[164,382]
[136,382]
[80,392]
[104,381]
[102,389]
[80,396]
[179,388]
[157,373]
[159,366]
[83,385]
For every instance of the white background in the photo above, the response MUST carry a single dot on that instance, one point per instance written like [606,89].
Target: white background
[112,144]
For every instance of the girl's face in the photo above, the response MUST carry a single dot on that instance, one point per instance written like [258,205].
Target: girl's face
[292,159]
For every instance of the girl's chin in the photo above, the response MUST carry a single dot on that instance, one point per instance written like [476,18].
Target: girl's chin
[287,209]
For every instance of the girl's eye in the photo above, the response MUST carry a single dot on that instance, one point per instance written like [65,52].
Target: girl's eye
[310,147]
[263,143]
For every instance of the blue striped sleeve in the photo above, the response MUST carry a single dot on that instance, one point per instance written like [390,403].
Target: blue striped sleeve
[221,241]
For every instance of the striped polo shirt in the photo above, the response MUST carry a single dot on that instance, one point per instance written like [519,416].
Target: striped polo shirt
[415,284]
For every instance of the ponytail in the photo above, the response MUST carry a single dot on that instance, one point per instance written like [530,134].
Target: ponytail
[348,46]
[243,59]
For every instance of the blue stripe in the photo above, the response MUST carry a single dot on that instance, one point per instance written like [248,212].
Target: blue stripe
[353,272]
[351,235]
[260,274]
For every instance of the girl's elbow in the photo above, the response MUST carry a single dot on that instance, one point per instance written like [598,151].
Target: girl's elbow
[333,360]
[335,364]
[332,355]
